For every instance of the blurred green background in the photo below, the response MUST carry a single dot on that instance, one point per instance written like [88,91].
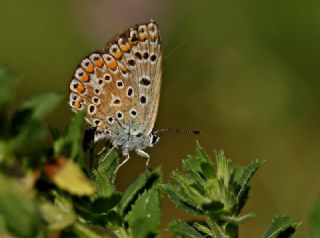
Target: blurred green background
[244,73]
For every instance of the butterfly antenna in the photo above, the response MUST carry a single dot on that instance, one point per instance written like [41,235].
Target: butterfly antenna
[176,131]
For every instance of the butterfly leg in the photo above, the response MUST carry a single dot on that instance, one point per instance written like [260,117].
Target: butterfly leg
[104,149]
[144,155]
[125,153]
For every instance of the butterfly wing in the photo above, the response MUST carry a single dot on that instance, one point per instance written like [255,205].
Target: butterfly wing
[120,85]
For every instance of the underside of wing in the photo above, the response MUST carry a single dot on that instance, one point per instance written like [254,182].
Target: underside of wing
[120,85]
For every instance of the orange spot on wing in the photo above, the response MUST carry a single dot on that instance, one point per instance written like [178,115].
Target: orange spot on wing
[99,63]
[117,55]
[125,47]
[89,69]
[112,65]
[80,88]
[153,37]
[77,105]
[85,78]
[142,37]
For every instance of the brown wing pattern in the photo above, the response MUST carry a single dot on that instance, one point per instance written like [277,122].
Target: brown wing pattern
[121,84]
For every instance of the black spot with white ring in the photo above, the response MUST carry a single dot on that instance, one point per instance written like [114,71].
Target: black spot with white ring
[91,109]
[117,101]
[120,84]
[107,78]
[145,81]
[110,119]
[131,62]
[138,55]
[145,55]
[153,58]
[97,122]
[119,115]
[133,113]
[129,92]
[143,99]
[95,100]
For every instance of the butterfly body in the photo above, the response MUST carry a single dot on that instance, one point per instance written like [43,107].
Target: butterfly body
[119,88]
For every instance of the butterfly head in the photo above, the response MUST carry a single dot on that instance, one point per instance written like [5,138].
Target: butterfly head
[153,139]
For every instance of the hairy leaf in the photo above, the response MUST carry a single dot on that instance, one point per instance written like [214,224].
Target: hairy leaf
[144,217]
[144,181]
[184,230]
[281,226]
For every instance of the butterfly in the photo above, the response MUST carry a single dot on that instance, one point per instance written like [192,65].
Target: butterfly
[119,89]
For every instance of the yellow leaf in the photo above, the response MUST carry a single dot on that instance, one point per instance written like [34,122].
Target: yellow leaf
[69,177]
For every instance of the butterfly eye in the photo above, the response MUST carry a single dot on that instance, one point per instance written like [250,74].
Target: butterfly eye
[154,139]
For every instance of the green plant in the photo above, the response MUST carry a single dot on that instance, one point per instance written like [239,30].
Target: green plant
[48,189]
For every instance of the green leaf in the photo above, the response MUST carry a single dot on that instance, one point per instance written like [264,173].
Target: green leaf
[70,177]
[104,204]
[315,219]
[83,231]
[19,211]
[4,233]
[59,214]
[247,174]
[69,144]
[179,200]
[281,226]
[41,105]
[223,169]
[232,230]
[104,175]
[144,217]
[27,126]
[144,181]
[184,230]
[201,154]
[8,83]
